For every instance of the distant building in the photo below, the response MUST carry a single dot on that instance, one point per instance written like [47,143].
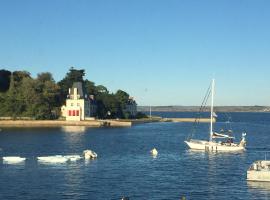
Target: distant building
[131,107]
[79,106]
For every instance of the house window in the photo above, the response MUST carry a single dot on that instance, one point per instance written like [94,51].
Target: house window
[69,113]
[71,104]
[73,113]
[78,104]
[78,113]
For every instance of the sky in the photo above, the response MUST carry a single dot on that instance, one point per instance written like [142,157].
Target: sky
[162,52]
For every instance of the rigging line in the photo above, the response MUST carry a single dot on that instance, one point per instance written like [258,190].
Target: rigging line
[202,108]
[199,114]
[229,124]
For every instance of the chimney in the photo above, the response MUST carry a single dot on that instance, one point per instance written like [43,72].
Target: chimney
[75,93]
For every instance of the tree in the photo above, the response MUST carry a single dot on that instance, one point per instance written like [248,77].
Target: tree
[122,97]
[4,80]
[13,104]
[102,89]
[30,96]
[48,92]
[19,75]
[45,76]
[74,75]
[90,87]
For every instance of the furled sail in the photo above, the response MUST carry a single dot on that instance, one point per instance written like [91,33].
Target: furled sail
[219,135]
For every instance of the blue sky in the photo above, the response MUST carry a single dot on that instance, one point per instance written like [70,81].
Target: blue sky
[161,52]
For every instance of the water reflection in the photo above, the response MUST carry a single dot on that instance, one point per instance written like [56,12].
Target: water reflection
[74,136]
[264,186]
[74,129]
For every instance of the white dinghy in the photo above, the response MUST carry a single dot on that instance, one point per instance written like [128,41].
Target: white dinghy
[13,159]
[58,159]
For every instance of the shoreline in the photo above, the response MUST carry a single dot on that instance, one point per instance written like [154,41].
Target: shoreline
[94,123]
[60,123]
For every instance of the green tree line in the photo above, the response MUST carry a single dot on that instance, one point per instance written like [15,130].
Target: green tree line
[42,97]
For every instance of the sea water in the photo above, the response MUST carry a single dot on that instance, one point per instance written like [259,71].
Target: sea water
[125,167]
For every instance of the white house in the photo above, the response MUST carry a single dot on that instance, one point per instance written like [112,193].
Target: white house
[79,106]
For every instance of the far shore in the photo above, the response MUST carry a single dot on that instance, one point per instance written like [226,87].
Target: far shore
[254,109]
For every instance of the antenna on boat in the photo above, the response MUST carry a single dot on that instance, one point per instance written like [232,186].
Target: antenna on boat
[150,112]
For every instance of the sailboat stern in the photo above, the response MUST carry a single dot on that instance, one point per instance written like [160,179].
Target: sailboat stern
[243,142]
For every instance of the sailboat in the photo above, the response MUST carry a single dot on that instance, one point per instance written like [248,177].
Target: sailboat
[213,144]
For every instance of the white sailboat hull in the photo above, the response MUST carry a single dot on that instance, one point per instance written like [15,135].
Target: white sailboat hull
[213,146]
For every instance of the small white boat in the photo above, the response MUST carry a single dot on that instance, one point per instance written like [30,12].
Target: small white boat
[59,158]
[259,171]
[53,159]
[13,159]
[89,154]
[213,144]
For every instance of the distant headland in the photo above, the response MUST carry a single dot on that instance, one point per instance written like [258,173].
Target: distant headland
[196,108]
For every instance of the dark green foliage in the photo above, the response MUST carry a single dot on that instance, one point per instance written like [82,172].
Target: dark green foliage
[90,87]
[41,98]
[140,115]
[74,75]
[4,80]
[28,97]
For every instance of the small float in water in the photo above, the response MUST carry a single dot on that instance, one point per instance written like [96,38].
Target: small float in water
[13,159]
[154,152]
[259,171]
[89,154]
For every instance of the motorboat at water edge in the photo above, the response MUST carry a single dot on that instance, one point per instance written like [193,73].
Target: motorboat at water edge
[259,171]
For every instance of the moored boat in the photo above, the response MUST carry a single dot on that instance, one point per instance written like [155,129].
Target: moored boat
[259,171]
[52,159]
[222,141]
[13,159]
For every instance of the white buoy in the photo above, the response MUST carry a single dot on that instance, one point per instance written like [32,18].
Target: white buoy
[89,154]
[154,152]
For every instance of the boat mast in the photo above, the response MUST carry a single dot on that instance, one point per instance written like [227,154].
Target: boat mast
[212,109]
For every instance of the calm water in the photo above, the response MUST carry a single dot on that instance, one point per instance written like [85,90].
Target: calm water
[125,167]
